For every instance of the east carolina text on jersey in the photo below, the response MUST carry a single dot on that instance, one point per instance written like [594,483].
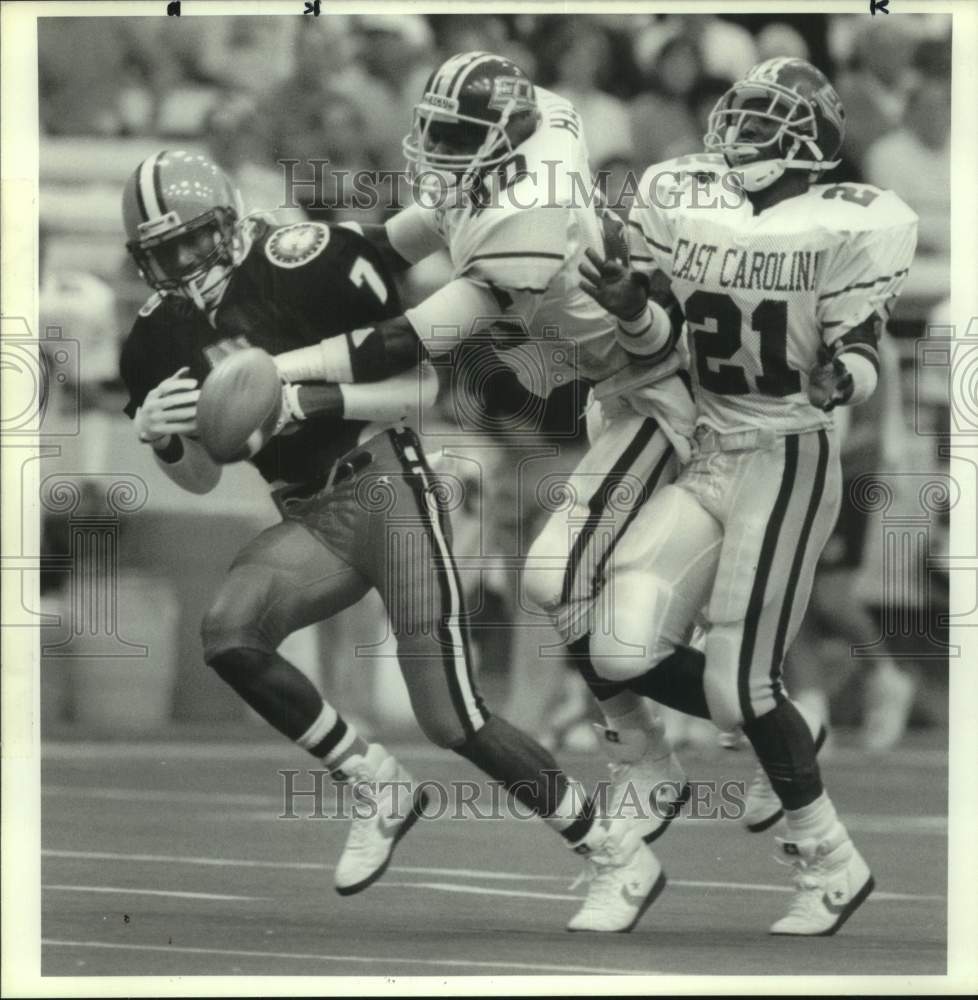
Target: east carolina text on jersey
[763,293]
[778,271]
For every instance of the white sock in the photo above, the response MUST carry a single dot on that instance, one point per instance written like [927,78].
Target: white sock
[640,717]
[569,811]
[817,819]
[620,706]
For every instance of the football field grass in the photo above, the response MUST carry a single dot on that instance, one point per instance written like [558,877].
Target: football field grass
[171,859]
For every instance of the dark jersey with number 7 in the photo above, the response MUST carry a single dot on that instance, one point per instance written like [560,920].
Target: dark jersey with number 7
[297,285]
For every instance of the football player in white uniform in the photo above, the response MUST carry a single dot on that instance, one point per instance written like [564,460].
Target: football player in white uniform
[504,184]
[784,290]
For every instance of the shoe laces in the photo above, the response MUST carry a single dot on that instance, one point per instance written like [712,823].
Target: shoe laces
[808,880]
[598,867]
[363,818]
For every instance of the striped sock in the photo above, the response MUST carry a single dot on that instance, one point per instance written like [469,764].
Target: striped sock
[332,740]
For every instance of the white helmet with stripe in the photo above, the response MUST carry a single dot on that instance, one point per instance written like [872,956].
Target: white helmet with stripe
[783,115]
[476,109]
[182,218]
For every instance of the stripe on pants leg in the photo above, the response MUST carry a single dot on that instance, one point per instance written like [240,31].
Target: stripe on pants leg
[769,547]
[648,488]
[801,553]
[599,501]
[448,633]
[445,521]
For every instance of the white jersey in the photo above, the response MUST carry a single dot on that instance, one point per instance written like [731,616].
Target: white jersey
[541,213]
[762,293]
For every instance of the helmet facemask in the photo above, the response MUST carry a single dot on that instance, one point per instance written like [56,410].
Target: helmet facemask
[763,129]
[192,260]
[454,148]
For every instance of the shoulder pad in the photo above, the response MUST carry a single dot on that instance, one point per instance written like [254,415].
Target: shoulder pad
[669,176]
[150,305]
[295,245]
[857,207]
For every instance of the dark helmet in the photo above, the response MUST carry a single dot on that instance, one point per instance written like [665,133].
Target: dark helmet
[783,114]
[476,108]
[174,195]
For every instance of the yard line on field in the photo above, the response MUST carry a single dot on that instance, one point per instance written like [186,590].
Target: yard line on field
[479,890]
[683,883]
[474,873]
[62,750]
[882,823]
[878,823]
[159,795]
[451,963]
[151,892]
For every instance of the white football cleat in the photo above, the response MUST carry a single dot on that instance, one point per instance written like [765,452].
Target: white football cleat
[386,805]
[831,881]
[624,878]
[648,784]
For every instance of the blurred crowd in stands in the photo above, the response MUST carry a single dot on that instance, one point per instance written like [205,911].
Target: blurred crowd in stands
[261,88]
[255,90]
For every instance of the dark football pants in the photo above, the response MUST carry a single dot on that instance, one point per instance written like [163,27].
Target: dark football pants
[384,525]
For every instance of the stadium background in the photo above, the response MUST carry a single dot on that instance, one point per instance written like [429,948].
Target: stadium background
[127,576]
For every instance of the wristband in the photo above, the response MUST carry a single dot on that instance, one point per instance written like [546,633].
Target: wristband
[647,334]
[291,393]
[639,323]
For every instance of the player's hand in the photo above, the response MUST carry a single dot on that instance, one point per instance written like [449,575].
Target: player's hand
[170,408]
[829,384]
[613,286]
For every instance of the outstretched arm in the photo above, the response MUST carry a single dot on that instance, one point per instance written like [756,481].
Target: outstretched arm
[404,240]
[645,330]
[390,346]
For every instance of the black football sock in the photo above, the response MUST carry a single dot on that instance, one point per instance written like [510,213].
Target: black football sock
[280,693]
[530,773]
[676,682]
[784,746]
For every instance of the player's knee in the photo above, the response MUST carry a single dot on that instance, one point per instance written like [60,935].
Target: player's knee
[722,697]
[441,729]
[233,623]
[724,706]
[541,588]
[543,571]
[721,675]
[616,659]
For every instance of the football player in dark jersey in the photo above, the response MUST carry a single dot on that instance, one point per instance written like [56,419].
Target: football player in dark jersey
[361,507]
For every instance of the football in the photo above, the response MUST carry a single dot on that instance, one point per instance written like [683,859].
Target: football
[239,405]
